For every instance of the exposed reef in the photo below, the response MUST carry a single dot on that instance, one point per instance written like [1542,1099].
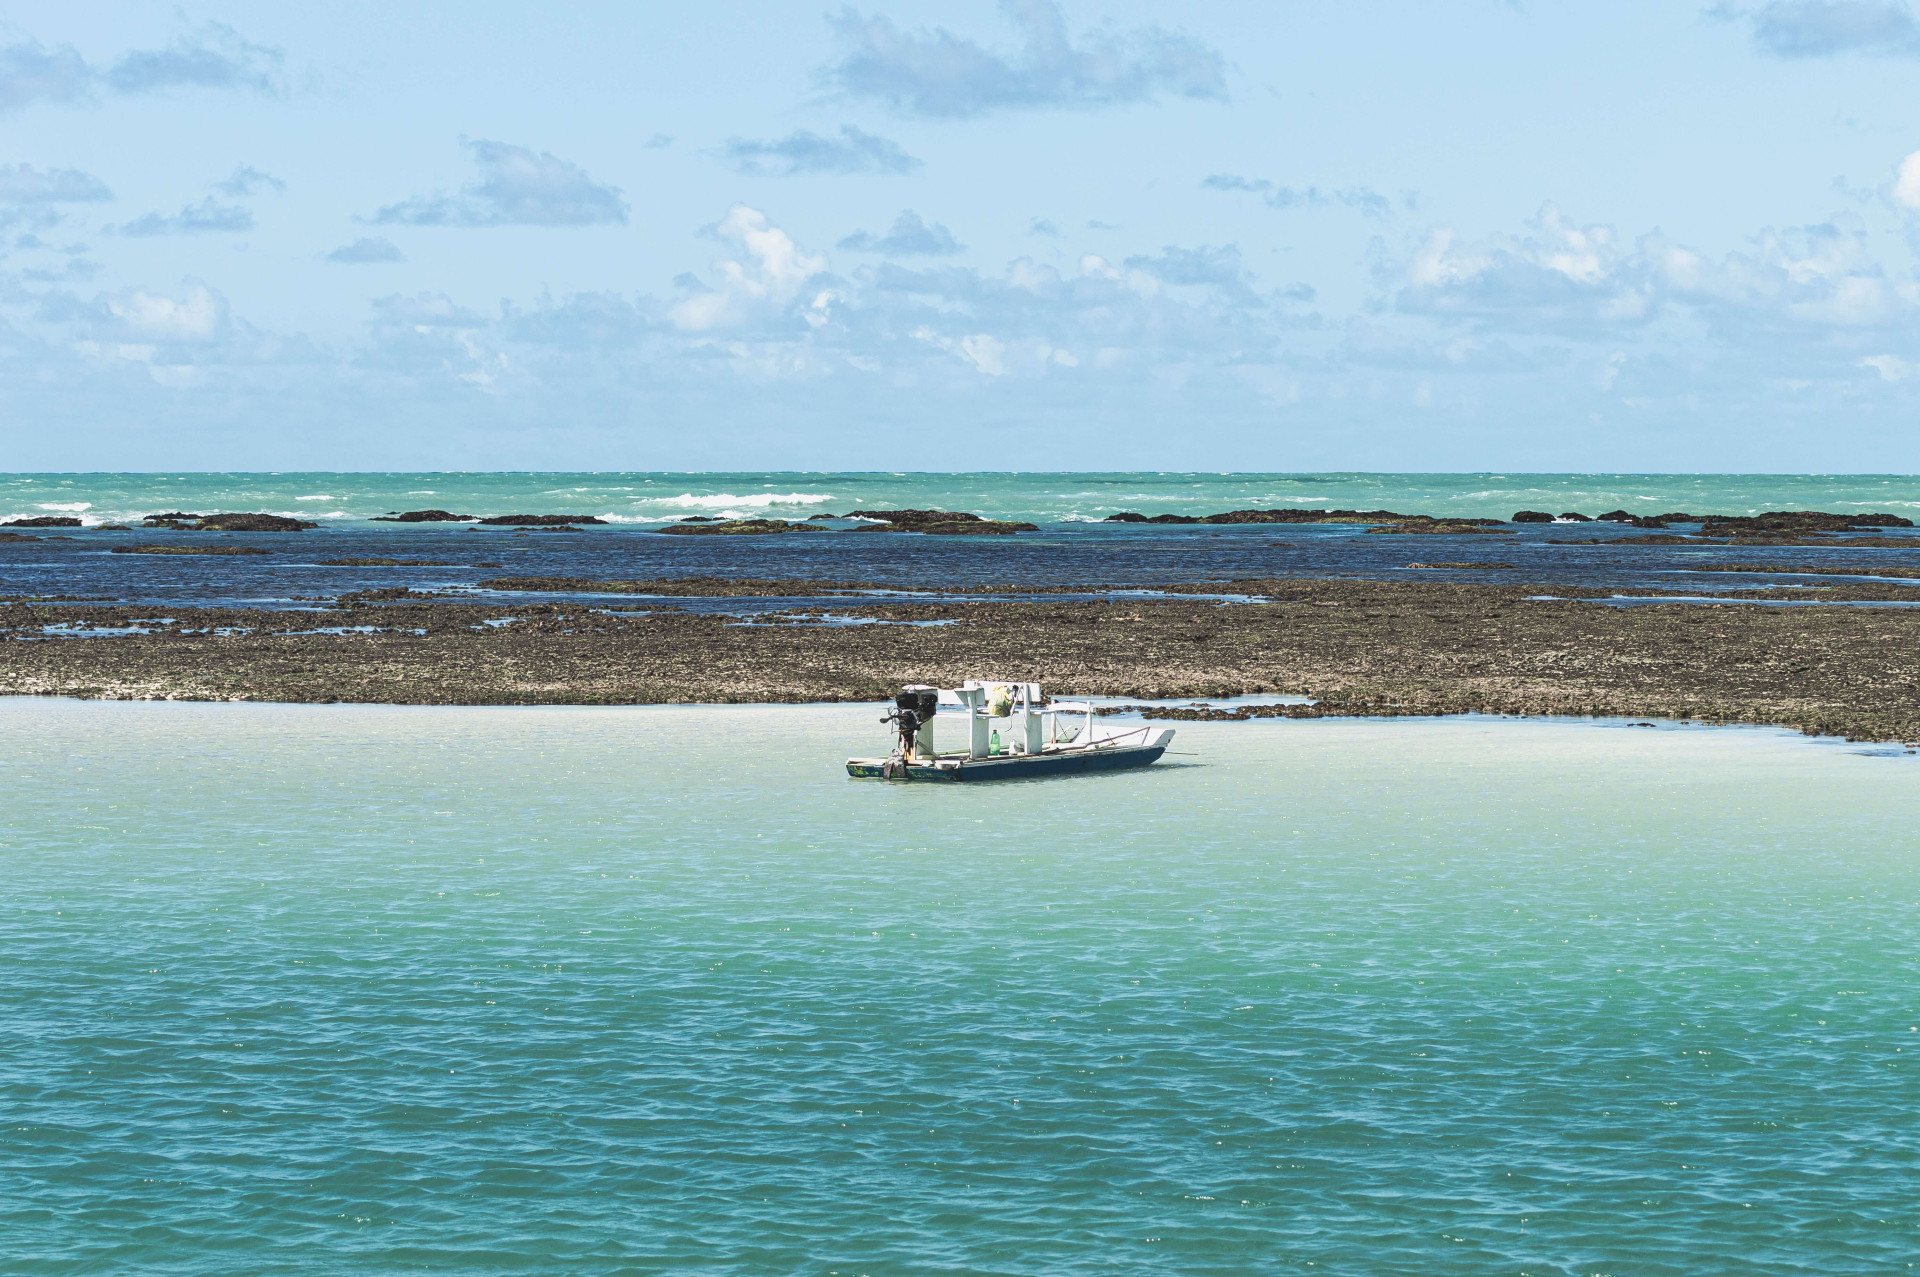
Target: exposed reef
[1356,647]
[426,516]
[178,522]
[950,523]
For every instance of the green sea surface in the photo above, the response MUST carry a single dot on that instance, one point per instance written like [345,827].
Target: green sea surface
[643,498]
[349,989]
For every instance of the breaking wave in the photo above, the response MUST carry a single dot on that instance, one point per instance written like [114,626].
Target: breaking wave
[727,500]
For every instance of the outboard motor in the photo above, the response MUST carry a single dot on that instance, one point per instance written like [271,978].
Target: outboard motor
[913,708]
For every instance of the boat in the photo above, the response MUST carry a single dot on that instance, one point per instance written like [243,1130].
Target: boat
[1005,731]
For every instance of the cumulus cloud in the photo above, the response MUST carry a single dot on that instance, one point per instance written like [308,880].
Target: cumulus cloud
[195,314]
[1906,183]
[1586,281]
[213,56]
[1220,269]
[366,251]
[30,72]
[1361,199]
[908,236]
[516,187]
[23,184]
[804,151]
[246,180]
[208,217]
[939,74]
[766,274]
[1825,28]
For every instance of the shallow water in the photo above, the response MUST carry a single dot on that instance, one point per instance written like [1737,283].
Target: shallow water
[363,989]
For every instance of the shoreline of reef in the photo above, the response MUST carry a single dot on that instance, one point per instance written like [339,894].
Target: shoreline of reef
[1356,647]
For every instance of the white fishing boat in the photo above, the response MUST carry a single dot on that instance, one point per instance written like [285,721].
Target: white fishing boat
[1002,731]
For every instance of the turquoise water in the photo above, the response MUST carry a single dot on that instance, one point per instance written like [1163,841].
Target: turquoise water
[360,989]
[654,498]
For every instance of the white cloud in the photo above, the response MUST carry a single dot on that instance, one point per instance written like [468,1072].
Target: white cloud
[1890,367]
[246,180]
[1906,183]
[213,56]
[208,217]
[1825,28]
[767,274]
[25,184]
[936,73]
[909,236]
[193,316]
[804,151]
[1361,199]
[516,187]
[367,250]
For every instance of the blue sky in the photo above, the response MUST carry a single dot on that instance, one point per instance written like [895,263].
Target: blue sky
[1086,235]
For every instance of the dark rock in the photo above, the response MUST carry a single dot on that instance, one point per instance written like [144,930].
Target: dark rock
[1649,521]
[1795,523]
[1286,516]
[1573,516]
[1125,516]
[189,549]
[739,528]
[700,518]
[1616,516]
[1532,516]
[908,518]
[424,516]
[7,538]
[974,528]
[539,520]
[253,523]
[940,523]
[681,586]
[44,521]
[113,527]
[364,598]
[174,516]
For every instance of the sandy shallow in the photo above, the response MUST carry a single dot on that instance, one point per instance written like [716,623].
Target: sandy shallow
[347,988]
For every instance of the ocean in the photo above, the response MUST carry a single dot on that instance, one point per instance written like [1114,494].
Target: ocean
[1074,547]
[653,498]
[355,989]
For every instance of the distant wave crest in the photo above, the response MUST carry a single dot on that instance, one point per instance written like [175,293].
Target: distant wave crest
[727,500]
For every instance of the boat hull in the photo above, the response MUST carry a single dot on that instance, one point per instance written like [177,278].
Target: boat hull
[1012,766]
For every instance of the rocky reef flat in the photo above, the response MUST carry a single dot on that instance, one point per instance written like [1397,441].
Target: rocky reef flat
[1357,647]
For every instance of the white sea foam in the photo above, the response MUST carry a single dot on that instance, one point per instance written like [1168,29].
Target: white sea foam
[67,507]
[725,500]
[321,497]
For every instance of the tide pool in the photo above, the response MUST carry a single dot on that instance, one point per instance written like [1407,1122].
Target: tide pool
[372,989]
